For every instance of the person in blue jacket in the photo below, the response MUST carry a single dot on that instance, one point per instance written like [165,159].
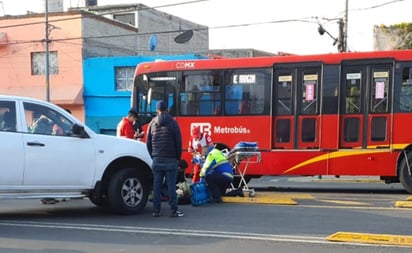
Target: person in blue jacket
[164,143]
[218,174]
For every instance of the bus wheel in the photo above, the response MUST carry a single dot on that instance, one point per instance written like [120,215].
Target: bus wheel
[405,173]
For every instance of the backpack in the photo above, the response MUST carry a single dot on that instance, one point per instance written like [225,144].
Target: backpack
[200,193]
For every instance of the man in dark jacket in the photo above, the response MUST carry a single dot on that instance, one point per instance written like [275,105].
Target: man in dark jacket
[164,143]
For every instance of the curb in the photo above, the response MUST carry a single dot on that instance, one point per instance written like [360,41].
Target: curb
[383,239]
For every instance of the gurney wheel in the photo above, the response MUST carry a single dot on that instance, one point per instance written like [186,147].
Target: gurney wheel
[252,193]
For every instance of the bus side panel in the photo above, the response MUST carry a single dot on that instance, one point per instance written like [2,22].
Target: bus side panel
[329,133]
[293,162]
[402,136]
[343,162]
[374,162]
[229,130]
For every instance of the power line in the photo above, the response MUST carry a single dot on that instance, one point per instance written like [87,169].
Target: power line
[378,5]
[303,20]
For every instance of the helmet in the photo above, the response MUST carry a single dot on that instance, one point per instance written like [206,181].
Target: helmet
[196,132]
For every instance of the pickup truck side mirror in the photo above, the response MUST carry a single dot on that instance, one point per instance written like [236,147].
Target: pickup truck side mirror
[79,131]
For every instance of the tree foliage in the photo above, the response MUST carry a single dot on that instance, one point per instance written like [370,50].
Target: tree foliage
[401,34]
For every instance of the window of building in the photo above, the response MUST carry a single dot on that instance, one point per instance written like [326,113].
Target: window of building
[124,78]
[127,18]
[38,63]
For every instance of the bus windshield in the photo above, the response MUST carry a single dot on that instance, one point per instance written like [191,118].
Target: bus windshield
[152,88]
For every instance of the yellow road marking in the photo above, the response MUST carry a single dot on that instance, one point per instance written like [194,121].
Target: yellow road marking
[269,198]
[409,198]
[402,240]
[260,200]
[283,195]
[345,202]
[403,204]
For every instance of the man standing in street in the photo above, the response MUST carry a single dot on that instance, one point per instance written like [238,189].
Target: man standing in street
[164,143]
[125,127]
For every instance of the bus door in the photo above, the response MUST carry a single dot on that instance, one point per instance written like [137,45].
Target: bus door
[365,105]
[296,122]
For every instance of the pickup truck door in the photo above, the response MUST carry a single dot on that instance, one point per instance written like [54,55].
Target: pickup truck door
[53,156]
[11,146]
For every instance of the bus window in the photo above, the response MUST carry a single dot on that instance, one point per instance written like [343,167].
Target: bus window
[405,101]
[353,92]
[283,130]
[378,129]
[245,91]
[284,93]
[151,89]
[200,93]
[379,91]
[308,130]
[330,89]
[351,129]
[309,93]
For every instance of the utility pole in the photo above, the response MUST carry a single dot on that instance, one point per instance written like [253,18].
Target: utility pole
[343,31]
[341,37]
[345,28]
[47,51]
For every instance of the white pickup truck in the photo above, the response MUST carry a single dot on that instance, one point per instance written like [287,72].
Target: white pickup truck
[45,152]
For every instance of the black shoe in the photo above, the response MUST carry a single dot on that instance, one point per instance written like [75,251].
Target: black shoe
[156,214]
[177,213]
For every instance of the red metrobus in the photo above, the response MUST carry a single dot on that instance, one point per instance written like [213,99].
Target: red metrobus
[331,114]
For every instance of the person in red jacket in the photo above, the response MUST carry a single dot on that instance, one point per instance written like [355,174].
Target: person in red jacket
[198,146]
[125,127]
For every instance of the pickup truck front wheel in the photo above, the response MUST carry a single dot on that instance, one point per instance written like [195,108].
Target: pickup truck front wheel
[128,191]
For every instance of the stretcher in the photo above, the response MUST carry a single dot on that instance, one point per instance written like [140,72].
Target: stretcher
[240,156]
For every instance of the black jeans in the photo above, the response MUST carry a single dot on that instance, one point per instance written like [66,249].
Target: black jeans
[217,184]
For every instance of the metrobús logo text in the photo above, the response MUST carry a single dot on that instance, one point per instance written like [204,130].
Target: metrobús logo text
[231,130]
[206,127]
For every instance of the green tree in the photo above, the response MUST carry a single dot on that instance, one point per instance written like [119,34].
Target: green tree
[401,34]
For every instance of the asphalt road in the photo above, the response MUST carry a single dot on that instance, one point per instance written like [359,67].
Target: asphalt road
[77,226]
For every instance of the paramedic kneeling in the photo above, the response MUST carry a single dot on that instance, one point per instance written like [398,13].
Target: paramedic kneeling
[218,174]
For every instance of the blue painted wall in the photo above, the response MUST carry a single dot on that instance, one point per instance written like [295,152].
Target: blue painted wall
[104,106]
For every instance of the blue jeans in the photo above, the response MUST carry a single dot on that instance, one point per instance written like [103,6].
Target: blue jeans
[164,168]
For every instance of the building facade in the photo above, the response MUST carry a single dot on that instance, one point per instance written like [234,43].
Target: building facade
[158,32]
[73,36]
[76,40]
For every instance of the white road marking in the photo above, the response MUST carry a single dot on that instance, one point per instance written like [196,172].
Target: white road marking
[181,232]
